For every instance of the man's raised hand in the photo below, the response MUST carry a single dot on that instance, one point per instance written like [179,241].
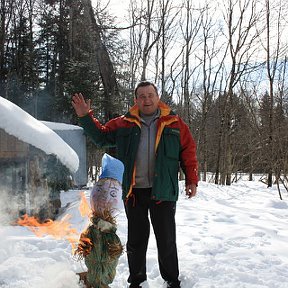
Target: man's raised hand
[81,106]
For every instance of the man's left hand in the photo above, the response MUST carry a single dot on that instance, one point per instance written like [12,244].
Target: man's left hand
[191,190]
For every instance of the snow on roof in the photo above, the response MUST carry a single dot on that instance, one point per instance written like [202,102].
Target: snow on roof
[61,126]
[25,127]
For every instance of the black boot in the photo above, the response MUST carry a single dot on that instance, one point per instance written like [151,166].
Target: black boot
[135,285]
[174,284]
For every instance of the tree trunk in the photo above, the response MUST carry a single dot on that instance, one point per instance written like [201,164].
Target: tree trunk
[105,64]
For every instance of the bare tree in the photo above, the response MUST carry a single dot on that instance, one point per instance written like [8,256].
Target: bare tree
[190,32]
[242,36]
[211,69]
[274,58]
[105,64]
[135,48]
[145,35]
[167,16]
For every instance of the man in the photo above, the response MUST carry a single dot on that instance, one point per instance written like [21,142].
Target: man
[150,140]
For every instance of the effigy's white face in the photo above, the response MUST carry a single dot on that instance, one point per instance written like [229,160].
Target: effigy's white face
[106,193]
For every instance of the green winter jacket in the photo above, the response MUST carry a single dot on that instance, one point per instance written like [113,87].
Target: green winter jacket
[174,145]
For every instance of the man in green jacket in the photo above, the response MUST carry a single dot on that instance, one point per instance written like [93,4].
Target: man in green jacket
[151,141]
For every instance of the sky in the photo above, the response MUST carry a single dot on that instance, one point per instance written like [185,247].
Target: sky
[228,237]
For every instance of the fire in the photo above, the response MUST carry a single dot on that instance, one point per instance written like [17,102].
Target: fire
[84,246]
[59,229]
[84,207]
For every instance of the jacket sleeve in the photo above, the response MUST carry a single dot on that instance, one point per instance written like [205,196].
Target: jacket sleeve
[101,135]
[188,158]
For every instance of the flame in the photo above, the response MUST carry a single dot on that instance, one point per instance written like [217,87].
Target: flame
[84,246]
[84,207]
[59,229]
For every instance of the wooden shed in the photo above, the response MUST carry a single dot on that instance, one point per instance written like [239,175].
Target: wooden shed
[35,165]
[20,177]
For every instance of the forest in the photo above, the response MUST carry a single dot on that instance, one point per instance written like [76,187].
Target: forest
[221,65]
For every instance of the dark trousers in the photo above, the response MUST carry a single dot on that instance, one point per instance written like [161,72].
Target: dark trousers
[162,217]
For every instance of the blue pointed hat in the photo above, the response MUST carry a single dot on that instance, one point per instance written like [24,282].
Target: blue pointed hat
[112,168]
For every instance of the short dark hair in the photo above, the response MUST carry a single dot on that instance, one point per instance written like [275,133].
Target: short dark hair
[144,84]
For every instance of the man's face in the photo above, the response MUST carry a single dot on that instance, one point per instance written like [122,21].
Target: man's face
[147,100]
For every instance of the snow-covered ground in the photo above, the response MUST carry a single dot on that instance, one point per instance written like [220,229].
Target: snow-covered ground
[233,236]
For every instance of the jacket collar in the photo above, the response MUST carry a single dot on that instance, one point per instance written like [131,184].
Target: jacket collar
[165,110]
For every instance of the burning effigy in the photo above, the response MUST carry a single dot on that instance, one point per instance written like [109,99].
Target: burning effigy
[99,245]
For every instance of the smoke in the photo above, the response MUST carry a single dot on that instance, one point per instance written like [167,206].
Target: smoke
[38,202]
[14,204]
[33,189]
[10,204]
